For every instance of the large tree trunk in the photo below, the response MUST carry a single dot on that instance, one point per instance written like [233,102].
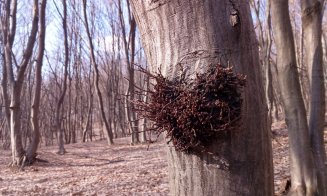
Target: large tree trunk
[303,174]
[193,34]
[312,34]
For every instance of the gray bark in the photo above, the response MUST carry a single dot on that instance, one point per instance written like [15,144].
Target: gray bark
[193,34]
[312,34]
[303,173]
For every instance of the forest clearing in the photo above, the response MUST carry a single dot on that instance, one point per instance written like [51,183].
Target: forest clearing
[93,168]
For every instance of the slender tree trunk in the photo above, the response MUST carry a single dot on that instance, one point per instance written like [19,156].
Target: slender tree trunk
[268,74]
[108,130]
[303,173]
[87,125]
[312,34]
[194,34]
[129,48]
[145,100]
[6,103]
[59,125]
[4,85]
[31,151]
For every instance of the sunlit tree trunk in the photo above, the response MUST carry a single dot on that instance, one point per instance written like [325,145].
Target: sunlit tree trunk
[193,34]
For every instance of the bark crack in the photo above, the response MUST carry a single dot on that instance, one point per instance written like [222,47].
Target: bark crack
[154,4]
[312,9]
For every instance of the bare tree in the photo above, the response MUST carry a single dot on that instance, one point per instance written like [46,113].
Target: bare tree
[63,93]
[108,130]
[31,151]
[16,83]
[129,48]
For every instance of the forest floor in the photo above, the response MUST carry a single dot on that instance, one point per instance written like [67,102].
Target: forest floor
[94,168]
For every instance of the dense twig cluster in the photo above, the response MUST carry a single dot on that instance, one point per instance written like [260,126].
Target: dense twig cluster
[194,113]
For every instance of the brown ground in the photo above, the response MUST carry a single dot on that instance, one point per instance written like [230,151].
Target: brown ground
[90,169]
[97,169]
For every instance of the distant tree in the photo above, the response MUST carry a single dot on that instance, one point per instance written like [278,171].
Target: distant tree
[59,113]
[129,49]
[108,130]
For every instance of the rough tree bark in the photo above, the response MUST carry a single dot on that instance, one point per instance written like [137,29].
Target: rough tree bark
[312,34]
[31,151]
[193,34]
[303,174]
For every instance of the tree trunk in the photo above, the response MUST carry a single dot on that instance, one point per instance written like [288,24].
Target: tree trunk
[16,83]
[88,116]
[194,34]
[59,114]
[312,34]
[145,100]
[4,85]
[129,47]
[107,127]
[31,151]
[17,149]
[303,173]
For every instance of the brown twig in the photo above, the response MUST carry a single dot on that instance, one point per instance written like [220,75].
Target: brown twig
[194,114]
